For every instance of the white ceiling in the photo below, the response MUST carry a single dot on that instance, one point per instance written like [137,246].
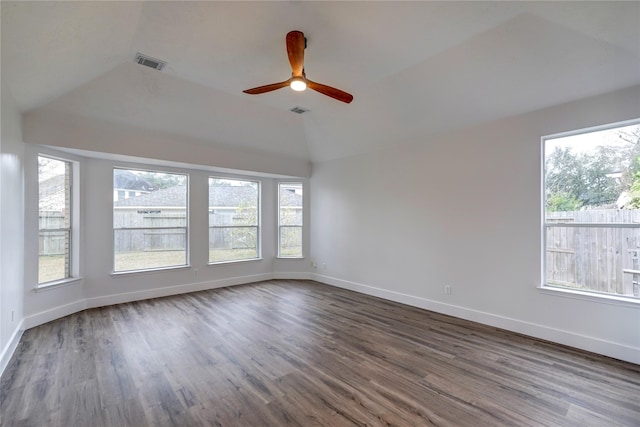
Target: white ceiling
[414,68]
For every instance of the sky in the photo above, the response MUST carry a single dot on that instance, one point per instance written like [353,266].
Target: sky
[587,142]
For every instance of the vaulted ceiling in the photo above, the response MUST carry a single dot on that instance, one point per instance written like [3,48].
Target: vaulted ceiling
[414,68]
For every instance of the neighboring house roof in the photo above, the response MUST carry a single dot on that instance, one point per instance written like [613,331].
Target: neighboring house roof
[166,197]
[220,196]
[290,198]
[51,194]
[231,196]
[127,180]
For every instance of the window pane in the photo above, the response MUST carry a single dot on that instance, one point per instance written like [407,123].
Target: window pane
[53,260]
[290,219]
[232,243]
[149,219]
[594,171]
[149,248]
[291,241]
[593,179]
[233,219]
[291,215]
[54,212]
[594,259]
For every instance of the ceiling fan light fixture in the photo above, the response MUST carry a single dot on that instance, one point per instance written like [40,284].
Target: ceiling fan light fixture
[296,43]
[298,84]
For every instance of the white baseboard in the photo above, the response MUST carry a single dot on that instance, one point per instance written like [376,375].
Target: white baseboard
[11,346]
[174,290]
[43,317]
[606,348]
[291,275]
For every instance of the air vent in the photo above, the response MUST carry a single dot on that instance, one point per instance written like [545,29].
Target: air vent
[299,110]
[147,61]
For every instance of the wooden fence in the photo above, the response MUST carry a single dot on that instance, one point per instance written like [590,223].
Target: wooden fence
[149,229]
[156,229]
[164,228]
[53,242]
[594,258]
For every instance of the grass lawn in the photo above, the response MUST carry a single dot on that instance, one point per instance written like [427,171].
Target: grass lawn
[221,255]
[291,251]
[149,259]
[158,259]
[52,267]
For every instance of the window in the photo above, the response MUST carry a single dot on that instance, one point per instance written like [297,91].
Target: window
[234,212]
[592,210]
[149,220]
[290,220]
[54,215]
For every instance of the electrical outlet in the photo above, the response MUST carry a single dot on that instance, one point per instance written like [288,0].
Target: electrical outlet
[314,265]
[447,289]
[195,272]
[13,312]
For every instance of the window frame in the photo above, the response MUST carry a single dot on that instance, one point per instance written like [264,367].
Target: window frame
[186,227]
[257,226]
[281,226]
[73,234]
[591,295]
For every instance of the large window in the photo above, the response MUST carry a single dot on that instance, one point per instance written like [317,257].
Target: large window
[290,220]
[592,210]
[55,222]
[234,217]
[150,219]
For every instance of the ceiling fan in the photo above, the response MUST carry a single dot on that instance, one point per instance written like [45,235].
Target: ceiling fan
[296,43]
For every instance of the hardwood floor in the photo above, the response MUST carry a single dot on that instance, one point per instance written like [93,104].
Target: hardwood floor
[300,353]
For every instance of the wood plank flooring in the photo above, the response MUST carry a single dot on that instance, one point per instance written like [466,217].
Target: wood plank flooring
[298,353]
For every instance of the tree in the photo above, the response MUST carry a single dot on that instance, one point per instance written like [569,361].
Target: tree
[162,180]
[246,215]
[599,169]
[562,202]
[630,180]
[575,180]
[597,177]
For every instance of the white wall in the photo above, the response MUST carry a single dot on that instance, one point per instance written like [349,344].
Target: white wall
[463,209]
[11,228]
[47,127]
[98,286]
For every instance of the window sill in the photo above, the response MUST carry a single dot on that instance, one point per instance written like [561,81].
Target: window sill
[233,261]
[593,297]
[290,257]
[57,284]
[116,274]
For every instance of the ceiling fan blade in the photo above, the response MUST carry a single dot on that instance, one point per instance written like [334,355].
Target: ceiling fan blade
[267,88]
[296,44]
[330,91]
[295,50]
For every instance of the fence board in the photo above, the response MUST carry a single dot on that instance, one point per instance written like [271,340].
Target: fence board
[592,258]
